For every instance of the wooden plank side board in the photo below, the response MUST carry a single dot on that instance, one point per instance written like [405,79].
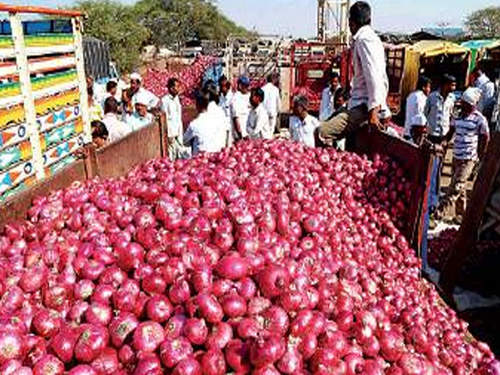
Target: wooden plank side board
[476,209]
[17,207]
[117,159]
[415,161]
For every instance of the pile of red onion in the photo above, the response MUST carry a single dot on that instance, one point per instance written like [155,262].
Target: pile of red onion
[439,248]
[189,79]
[267,258]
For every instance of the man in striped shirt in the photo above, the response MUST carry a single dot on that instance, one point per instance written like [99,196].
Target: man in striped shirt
[471,140]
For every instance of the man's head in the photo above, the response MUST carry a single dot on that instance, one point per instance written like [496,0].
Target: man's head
[448,84]
[99,133]
[300,104]
[360,15]
[224,85]
[141,104]
[340,99]
[257,97]
[424,84]
[211,89]
[202,101]
[469,100]
[135,82]
[111,88]
[111,105]
[244,84]
[334,81]
[274,78]
[173,87]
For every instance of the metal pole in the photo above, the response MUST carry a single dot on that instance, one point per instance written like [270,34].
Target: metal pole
[27,93]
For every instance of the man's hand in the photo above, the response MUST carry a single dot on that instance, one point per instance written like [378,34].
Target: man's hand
[373,119]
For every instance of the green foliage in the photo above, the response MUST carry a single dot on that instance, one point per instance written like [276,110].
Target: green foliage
[129,27]
[182,20]
[116,24]
[484,23]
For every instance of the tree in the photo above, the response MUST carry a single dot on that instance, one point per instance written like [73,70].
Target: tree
[174,22]
[484,23]
[118,25]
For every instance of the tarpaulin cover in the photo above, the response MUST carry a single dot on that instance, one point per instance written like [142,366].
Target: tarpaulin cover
[478,47]
[430,48]
[425,48]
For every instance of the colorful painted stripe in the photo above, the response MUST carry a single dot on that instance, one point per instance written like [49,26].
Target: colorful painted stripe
[58,117]
[62,150]
[13,135]
[61,134]
[15,154]
[16,175]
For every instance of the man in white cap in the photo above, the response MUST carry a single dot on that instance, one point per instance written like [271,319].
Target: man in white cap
[141,117]
[130,95]
[471,140]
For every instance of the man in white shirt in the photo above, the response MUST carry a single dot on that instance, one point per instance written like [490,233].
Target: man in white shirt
[200,135]
[415,104]
[141,117]
[221,124]
[327,108]
[131,94]
[226,96]
[302,125]
[370,84]
[487,101]
[172,111]
[111,91]
[240,109]
[116,129]
[272,100]
[258,126]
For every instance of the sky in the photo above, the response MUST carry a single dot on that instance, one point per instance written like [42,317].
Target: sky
[298,17]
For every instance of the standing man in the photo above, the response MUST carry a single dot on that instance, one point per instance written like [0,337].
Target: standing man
[415,105]
[438,111]
[200,135]
[471,141]
[258,126]
[225,100]
[240,109]
[172,110]
[302,124]
[226,95]
[487,101]
[370,84]
[272,100]
[327,107]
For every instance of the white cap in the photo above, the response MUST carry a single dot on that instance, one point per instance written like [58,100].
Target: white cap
[141,98]
[419,120]
[135,77]
[472,96]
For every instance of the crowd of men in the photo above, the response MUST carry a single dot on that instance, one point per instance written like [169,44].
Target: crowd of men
[225,116]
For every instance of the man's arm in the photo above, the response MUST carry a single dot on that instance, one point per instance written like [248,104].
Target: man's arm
[373,70]
[484,139]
